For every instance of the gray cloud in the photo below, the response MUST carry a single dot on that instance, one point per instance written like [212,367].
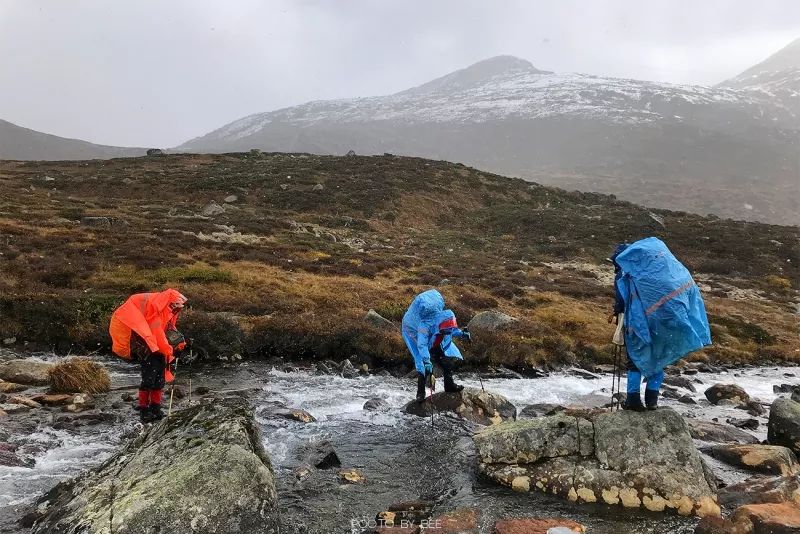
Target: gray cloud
[156,73]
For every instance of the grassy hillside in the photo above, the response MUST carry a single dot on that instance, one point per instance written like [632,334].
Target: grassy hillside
[312,242]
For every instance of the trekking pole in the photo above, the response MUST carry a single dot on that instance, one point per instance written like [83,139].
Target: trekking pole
[614,375]
[432,385]
[172,389]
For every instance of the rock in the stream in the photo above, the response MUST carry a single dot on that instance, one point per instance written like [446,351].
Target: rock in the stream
[633,459]
[531,525]
[718,433]
[376,405]
[490,320]
[759,490]
[767,459]
[202,470]
[347,370]
[351,476]
[753,407]
[731,392]
[784,423]
[405,513]
[680,382]
[11,387]
[538,410]
[783,518]
[783,388]
[322,455]
[747,424]
[474,405]
[27,372]
[295,414]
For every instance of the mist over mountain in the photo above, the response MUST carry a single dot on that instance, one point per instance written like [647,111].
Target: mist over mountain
[729,150]
[21,143]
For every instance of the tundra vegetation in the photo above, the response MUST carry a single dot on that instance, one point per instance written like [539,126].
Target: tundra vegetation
[296,248]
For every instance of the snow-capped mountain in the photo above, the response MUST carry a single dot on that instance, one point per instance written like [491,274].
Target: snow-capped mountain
[724,150]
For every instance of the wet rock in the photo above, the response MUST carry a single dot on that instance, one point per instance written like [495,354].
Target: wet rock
[670,393]
[629,458]
[747,424]
[405,513]
[230,199]
[25,401]
[202,390]
[10,387]
[212,209]
[202,470]
[767,459]
[295,414]
[347,370]
[714,525]
[128,397]
[501,372]
[474,405]
[582,373]
[687,399]
[753,407]
[680,382]
[376,405]
[10,458]
[783,518]
[491,320]
[10,408]
[532,525]
[375,319]
[322,455]
[758,490]
[351,476]
[783,388]
[784,424]
[53,400]
[718,433]
[302,472]
[27,372]
[731,392]
[458,521]
[538,410]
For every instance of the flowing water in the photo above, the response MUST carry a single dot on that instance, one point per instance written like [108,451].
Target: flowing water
[402,457]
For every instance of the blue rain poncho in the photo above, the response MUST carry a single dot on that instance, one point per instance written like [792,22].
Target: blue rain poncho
[665,317]
[421,325]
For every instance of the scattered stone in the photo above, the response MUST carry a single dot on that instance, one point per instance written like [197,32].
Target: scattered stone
[10,387]
[9,341]
[747,424]
[680,382]
[405,512]
[128,397]
[687,399]
[212,209]
[784,424]
[455,522]
[538,526]
[347,370]
[211,455]
[714,525]
[490,320]
[301,472]
[783,518]
[318,187]
[759,490]
[351,476]
[11,408]
[27,372]
[376,319]
[230,199]
[10,458]
[783,388]
[322,455]
[25,401]
[731,392]
[634,459]
[154,152]
[502,372]
[768,459]
[295,414]
[753,407]
[202,390]
[471,404]
[53,400]
[583,373]
[377,405]
[718,433]
[538,410]
[351,153]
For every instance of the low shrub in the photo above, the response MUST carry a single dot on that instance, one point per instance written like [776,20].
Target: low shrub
[79,375]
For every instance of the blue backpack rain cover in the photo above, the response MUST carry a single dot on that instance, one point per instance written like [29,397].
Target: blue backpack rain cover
[665,317]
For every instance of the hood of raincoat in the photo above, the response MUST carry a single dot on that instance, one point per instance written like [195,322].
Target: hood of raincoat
[419,325]
[665,317]
[446,324]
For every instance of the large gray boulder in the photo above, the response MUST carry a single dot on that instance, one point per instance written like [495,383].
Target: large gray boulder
[202,470]
[767,459]
[474,405]
[617,458]
[490,320]
[784,423]
[28,372]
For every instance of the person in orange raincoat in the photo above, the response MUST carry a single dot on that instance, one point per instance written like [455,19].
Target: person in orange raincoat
[140,329]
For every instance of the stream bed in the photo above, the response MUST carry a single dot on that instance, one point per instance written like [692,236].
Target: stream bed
[402,457]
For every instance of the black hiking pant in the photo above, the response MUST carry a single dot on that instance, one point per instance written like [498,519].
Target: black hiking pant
[438,357]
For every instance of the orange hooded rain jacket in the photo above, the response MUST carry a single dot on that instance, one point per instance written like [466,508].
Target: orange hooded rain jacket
[150,315]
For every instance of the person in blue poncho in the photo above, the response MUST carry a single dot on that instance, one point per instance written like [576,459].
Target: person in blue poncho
[660,313]
[428,330]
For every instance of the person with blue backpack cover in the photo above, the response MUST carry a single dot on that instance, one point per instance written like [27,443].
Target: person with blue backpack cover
[428,330]
[663,317]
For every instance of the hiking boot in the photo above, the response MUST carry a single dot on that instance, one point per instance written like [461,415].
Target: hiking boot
[633,401]
[155,412]
[145,416]
[451,387]
[421,381]
[651,398]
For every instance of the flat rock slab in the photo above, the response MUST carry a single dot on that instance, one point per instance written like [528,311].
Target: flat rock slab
[760,490]
[718,433]
[767,459]
[202,470]
[474,405]
[27,372]
[781,518]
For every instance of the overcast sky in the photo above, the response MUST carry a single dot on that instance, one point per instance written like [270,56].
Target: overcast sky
[159,72]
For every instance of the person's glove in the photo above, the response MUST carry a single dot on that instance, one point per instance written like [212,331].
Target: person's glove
[428,367]
[181,346]
[173,366]
[466,335]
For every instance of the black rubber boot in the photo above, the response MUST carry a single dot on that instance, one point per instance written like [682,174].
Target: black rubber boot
[145,416]
[633,401]
[450,386]
[155,412]
[421,382]
[651,398]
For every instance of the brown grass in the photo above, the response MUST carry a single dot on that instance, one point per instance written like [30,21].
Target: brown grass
[79,375]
